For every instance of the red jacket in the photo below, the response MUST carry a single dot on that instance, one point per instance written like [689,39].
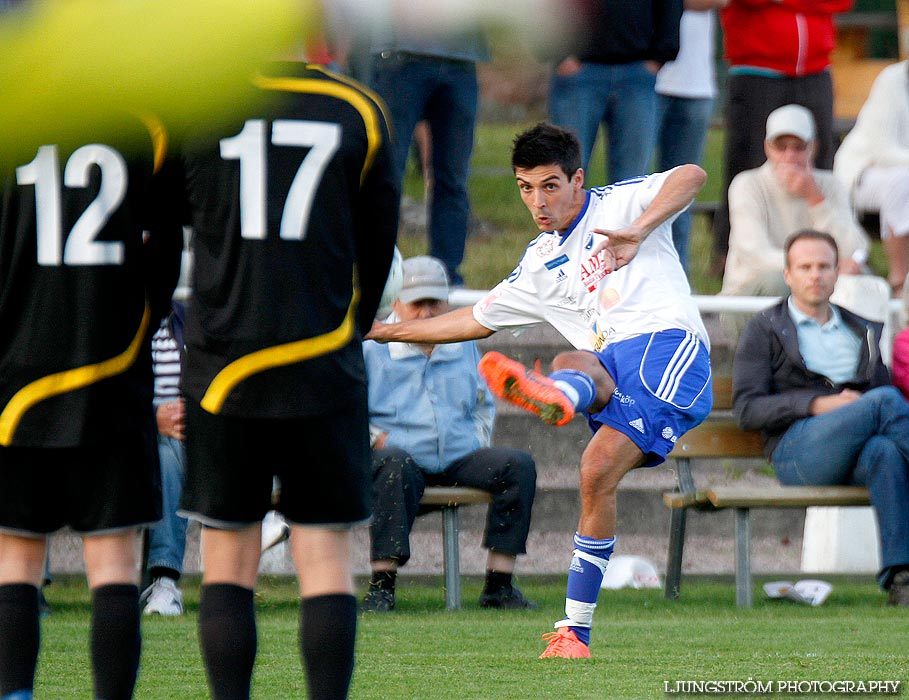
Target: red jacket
[794,37]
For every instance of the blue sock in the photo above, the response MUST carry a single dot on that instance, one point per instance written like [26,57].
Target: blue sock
[577,386]
[584,578]
[19,695]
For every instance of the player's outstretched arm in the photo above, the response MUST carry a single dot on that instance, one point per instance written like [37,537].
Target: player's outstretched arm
[677,192]
[453,327]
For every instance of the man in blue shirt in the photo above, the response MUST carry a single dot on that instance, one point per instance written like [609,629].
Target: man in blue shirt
[431,419]
[809,375]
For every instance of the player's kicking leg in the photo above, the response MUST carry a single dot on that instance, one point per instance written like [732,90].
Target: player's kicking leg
[578,383]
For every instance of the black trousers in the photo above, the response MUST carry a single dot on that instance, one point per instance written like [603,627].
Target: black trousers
[398,483]
[750,100]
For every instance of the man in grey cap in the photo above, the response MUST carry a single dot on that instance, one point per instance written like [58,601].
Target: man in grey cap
[431,417]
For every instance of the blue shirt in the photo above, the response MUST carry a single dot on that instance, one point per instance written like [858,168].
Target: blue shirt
[437,407]
[831,349]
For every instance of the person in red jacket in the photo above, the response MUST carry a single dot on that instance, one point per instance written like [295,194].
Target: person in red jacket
[778,53]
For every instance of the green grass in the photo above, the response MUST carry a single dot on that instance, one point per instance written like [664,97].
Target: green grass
[494,199]
[424,652]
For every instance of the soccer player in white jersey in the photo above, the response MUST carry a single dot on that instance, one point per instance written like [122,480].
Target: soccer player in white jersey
[604,273]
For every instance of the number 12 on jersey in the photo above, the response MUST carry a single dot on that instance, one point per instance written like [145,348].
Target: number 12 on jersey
[250,148]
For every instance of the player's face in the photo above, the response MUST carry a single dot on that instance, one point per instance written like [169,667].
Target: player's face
[421,308]
[811,273]
[553,198]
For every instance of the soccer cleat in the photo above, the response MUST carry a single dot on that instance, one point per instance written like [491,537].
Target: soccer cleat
[525,388]
[564,644]
[377,600]
[163,598]
[507,598]
[274,530]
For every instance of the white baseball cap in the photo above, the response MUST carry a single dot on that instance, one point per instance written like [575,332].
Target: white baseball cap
[790,120]
[424,278]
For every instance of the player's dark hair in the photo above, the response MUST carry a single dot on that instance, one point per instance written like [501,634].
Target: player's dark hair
[546,144]
[811,234]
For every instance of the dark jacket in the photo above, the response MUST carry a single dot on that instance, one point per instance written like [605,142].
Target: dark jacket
[771,386]
[625,31]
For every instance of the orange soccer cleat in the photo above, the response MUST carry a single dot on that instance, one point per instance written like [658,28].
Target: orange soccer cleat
[564,644]
[525,388]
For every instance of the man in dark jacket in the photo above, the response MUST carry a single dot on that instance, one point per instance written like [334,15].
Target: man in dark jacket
[809,375]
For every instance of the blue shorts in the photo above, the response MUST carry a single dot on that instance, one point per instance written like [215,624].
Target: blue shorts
[663,389]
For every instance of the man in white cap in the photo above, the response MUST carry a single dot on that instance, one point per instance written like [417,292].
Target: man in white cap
[431,417]
[786,194]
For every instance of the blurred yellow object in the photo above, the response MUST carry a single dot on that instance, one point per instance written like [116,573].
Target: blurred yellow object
[69,68]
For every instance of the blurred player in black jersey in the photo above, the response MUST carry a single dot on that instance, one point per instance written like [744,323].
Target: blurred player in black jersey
[79,295]
[294,212]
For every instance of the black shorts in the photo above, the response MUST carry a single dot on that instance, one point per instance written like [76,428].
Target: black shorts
[93,489]
[321,462]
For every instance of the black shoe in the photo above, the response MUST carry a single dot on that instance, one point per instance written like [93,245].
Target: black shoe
[506,598]
[899,590]
[378,600]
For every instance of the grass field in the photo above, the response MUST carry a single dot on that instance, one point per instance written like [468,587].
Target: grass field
[494,199]
[424,652]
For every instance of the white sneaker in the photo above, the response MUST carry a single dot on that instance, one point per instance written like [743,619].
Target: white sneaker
[163,598]
[274,530]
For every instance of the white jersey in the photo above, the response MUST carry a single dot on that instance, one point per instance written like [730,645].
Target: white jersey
[559,282]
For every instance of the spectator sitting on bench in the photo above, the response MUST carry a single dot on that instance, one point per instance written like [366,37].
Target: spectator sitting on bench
[784,195]
[809,375]
[431,418]
[873,162]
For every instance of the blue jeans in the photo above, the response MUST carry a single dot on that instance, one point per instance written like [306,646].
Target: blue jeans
[866,443]
[167,537]
[445,93]
[622,96]
[682,125]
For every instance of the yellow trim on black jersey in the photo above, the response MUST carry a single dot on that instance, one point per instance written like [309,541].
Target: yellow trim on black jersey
[278,356]
[68,380]
[349,94]
[158,137]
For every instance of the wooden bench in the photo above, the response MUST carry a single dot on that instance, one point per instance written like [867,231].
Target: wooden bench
[448,499]
[725,440]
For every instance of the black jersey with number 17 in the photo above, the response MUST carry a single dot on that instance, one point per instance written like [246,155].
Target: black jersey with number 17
[79,289]
[294,213]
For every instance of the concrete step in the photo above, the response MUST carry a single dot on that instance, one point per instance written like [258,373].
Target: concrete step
[547,553]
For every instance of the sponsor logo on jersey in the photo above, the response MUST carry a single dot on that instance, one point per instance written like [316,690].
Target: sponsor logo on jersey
[556,262]
[515,274]
[570,300]
[637,424]
[669,434]
[599,337]
[592,271]
[623,399]
[561,277]
[489,299]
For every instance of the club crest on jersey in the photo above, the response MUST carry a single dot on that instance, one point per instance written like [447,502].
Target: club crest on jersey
[545,248]
[592,271]
[588,243]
